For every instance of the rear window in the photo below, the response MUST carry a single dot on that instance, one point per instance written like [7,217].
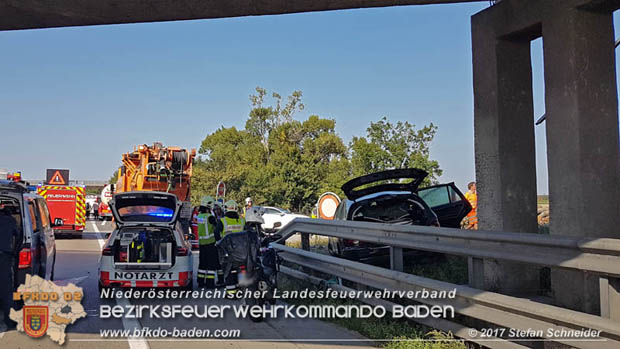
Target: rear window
[33,216]
[45,215]
[11,207]
[146,213]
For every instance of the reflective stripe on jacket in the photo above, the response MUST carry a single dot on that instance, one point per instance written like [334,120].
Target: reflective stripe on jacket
[206,230]
[232,225]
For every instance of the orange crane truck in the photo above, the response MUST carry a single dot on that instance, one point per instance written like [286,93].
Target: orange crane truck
[159,168]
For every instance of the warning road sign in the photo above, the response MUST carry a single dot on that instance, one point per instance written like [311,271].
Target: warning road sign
[57,177]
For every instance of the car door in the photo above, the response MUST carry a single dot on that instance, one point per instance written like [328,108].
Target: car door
[36,241]
[47,239]
[448,203]
[270,216]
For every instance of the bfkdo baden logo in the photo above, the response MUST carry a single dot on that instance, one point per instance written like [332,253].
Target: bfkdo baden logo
[48,308]
[36,320]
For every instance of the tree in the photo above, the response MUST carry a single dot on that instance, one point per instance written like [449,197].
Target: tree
[281,161]
[264,119]
[114,178]
[275,159]
[392,146]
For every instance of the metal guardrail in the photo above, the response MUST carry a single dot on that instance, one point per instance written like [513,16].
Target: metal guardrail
[600,256]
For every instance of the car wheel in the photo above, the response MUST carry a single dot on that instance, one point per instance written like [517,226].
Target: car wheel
[334,248]
[250,301]
[189,286]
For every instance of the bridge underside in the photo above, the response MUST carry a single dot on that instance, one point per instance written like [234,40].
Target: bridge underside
[31,14]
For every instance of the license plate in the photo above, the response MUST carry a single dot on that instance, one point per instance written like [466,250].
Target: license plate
[143,275]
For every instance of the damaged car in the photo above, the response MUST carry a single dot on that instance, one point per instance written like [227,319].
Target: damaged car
[394,197]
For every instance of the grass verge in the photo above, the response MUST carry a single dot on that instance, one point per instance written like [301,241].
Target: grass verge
[402,334]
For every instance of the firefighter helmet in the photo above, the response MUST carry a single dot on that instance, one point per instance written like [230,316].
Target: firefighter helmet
[230,205]
[207,201]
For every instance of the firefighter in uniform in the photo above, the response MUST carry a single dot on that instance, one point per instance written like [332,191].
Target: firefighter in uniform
[232,223]
[208,233]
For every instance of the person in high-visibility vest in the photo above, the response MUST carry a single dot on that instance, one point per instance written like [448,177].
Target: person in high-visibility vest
[208,234]
[472,197]
[232,223]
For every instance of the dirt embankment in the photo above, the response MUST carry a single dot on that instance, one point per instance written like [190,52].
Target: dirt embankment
[543,214]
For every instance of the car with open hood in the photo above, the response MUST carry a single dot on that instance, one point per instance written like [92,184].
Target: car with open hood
[394,197]
[147,248]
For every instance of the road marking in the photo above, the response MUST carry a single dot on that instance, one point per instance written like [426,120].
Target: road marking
[128,324]
[103,222]
[131,324]
[100,238]
[74,281]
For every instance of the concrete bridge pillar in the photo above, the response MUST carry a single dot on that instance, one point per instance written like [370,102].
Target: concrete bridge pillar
[582,138]
[582,132]
[505,150]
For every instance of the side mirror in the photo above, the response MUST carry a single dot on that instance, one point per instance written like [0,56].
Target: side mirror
[58,222]
[277,224]
[282,214]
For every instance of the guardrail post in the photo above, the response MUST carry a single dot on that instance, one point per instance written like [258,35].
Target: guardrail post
[305,241]
[475,272]
[610,297]
[396,258]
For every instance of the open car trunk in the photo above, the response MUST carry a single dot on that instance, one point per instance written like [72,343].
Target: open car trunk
[393,209]
[150,248]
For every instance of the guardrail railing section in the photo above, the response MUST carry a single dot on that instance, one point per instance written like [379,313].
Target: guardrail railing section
[520,315]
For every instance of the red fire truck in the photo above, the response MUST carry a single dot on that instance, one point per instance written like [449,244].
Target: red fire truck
[69,204]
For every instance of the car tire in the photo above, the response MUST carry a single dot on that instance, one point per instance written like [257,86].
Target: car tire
[334,248]
[189,286]
[250,301]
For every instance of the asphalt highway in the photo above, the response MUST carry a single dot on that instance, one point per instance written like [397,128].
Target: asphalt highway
[77,260]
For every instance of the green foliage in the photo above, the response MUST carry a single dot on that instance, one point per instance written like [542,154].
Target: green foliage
[114,178]
[281,161]
[390,146]
[432,340]
[392,333]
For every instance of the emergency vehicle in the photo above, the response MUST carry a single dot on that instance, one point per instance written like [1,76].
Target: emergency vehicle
[147,248]
[68,203]
[104,206]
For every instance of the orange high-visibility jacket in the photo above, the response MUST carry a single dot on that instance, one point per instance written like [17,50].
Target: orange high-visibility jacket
[473,201]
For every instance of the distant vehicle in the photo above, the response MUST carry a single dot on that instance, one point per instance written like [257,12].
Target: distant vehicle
[91,199]
[104,203]
[398,202]
[159,168]
[68,203]
[147,248]
[273,215]
[36,251]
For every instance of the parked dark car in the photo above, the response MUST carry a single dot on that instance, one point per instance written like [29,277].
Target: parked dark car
[35,253]
[393,197]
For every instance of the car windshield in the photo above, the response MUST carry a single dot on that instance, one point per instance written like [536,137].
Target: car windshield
[285,211]
[145,213]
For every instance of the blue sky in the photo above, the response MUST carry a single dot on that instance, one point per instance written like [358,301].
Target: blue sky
[89,94]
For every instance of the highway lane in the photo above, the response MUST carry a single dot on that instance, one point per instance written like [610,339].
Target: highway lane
[77,260]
